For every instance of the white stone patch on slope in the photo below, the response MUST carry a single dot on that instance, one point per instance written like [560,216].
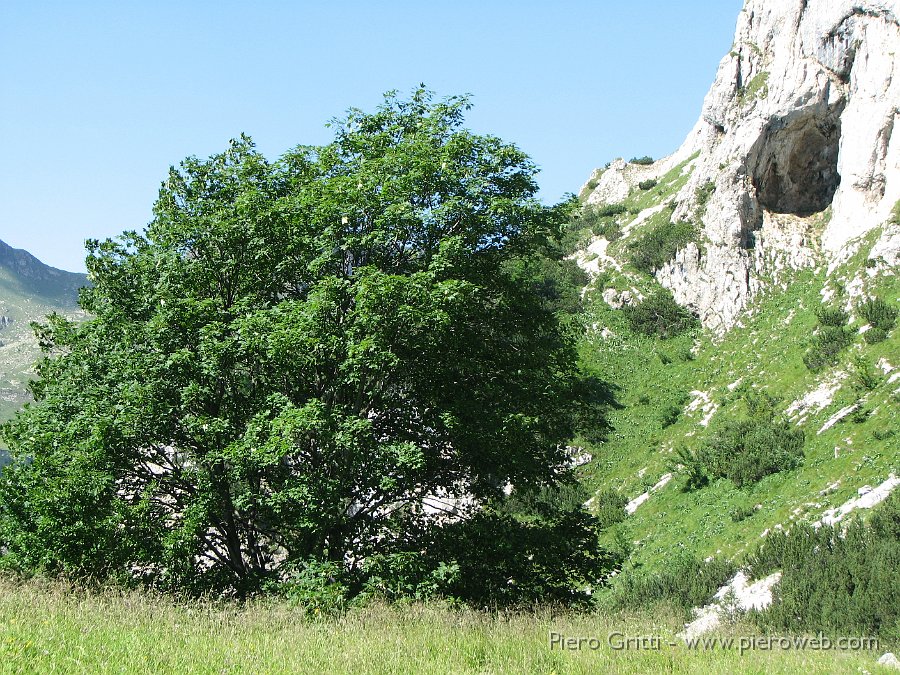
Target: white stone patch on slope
[633,505]
[703,403]
[594,258]
[837,417]
[701,399]
[617,300]
[885,366]
[886,251]
[642,218]
[866,499]
[709,415]
[816,400]
[747,596]
[889,660]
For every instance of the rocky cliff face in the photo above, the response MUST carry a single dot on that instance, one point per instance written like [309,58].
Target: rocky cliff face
[795,152]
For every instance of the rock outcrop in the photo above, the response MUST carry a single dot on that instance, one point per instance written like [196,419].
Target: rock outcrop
[797,136]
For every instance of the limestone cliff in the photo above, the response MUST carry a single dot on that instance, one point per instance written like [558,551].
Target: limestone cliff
[795,152]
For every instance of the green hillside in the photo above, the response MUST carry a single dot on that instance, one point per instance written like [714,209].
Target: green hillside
[680,396]
[29,291]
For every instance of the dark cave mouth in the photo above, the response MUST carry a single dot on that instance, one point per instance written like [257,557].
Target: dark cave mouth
[797,167]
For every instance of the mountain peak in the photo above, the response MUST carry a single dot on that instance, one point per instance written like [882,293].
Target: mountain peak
[23,274]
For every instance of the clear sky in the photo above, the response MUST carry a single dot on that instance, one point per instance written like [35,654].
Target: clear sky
[98,99]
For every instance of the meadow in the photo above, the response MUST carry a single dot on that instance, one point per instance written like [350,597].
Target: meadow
[51,627]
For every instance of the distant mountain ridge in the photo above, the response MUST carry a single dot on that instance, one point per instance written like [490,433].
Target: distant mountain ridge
[23,274]
[29,291]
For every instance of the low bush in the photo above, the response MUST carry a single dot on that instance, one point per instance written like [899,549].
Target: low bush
[866,376]
[835,579]
[830,339]
[703,193]
[881,318]
[669,415]
[648,184]
[659,245]
[740,513]
[601,221]
[554,560]
[317,588]
[684,583]
[609,508]
[875,335]
[747,451]
[831,316]
[646,160]
[660,316]
[689,463]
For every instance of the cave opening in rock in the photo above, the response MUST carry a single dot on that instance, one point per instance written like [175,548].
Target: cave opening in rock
[797,163]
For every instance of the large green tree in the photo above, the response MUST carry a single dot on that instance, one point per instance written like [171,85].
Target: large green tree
[295,357]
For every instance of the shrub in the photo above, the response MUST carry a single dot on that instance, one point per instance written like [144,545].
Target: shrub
[835,579]
[685,582]
[659,245]
[600,220]
[646,160]
[669,415]
[648,184]
[875,335]
[660,316]
[704,192]
[408,575]
[747,451]
[608,210]
[761,405]
[609,508]
[831,316]
[555,561]
[830,339]
[740,513]
[866,376]
[880,316]
[315,587]
[692,466]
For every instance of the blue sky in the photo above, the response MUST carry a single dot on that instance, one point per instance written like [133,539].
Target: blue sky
[98,99]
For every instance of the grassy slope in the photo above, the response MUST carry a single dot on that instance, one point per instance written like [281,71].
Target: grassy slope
[764,353]
[51,629]
[25,299]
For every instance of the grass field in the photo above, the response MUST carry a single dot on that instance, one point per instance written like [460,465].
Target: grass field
[50,628]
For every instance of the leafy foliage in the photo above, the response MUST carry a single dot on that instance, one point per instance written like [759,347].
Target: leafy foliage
[294,355]
[830,339]
[609,507]
[881,318]
[601,221]
[842,580]
[831,316]
[658,246]
[648,184]
[684,583]
[703,194]
[646,160]
[660,316]
[747,451]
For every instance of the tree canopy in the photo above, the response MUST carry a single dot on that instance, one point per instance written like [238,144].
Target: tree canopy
[336,360]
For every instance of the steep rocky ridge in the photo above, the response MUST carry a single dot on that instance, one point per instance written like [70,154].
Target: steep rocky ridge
[795,149]
[783,204]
